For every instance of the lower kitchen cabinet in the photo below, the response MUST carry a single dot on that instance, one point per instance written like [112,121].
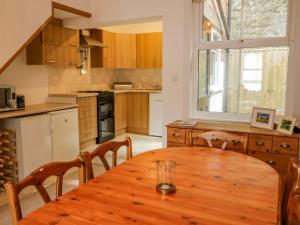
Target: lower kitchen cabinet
[120,113]
[87,117]
[138,112]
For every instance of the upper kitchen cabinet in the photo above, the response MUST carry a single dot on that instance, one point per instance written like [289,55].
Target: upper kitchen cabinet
[125,51]
[55,45]
[53,33]
[103,56]
[70,37]
[108,39]
[149,50]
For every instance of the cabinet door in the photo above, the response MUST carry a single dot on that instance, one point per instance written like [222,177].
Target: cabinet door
[108,39]
[120,113]
[70,37]
[125,51]
[158,50]
[87,118]
[52,34]
[72,56]
[53,54]
[65,135]
[138,112]
[49,54]
[149,50]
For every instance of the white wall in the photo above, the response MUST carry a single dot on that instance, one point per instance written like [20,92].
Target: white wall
[32,81]
[293,82]
[19,20]
[176,16]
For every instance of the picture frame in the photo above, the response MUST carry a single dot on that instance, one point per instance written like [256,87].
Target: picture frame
[263,118]
[286,125]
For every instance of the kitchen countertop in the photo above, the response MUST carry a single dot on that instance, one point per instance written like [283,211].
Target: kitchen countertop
[37,109]
[90,94]
[74,95]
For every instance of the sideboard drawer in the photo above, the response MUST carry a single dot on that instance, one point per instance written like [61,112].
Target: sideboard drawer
[285,145]
[278,162]
[261,143]
[196,139]
[176,135]
[236,145]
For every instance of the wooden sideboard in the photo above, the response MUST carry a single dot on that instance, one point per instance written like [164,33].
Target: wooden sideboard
[272,147]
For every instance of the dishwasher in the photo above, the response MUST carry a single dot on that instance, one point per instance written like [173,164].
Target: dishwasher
[155,114]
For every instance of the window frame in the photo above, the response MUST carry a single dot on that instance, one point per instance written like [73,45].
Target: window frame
[198,7]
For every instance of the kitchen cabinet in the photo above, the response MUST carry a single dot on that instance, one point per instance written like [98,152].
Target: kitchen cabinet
[120,113]
[138,112]
[55,45]
[87,117]
[108,38]
[53,33]
[149,50]
[103,57]
[125,51]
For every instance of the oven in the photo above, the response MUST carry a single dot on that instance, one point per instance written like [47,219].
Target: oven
[106,119]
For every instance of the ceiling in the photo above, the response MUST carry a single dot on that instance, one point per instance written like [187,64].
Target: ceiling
[145,27]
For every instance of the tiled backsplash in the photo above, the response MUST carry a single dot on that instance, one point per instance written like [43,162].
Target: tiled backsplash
[66,80]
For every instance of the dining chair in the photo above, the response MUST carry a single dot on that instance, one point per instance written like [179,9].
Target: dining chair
[225,137]
[36,179]
[101,151]
[291,193]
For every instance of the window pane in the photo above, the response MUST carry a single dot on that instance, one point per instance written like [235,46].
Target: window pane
[230,86]
[244,19]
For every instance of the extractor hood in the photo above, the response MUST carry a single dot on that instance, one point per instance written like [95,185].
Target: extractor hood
[89,42]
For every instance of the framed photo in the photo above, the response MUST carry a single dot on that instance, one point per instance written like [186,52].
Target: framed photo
[286,125]
[263,118]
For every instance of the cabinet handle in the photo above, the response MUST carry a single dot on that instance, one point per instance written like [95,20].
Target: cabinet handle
[284,145]
[260,143]
[195,138]
[176,135]
[271,162]
[51,61]
[236,142]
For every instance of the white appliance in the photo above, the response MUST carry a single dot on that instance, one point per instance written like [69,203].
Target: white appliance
[33,136]
[44,138]
[65,134]
[155,114]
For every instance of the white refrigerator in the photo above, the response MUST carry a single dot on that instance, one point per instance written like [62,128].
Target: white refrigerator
[64,135]
[44,138]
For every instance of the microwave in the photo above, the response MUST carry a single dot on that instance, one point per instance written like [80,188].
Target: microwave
[8,98]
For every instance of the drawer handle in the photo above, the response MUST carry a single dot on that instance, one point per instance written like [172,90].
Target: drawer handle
[260,143]
[195,138]
[284,145]
[176,135]
[271,162]
[236,142]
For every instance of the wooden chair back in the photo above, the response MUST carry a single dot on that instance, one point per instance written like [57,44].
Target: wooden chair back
[100,152]
[36,179]
[225,137]
[291,193]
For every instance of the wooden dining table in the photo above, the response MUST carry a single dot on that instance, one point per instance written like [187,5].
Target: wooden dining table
[213,187]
